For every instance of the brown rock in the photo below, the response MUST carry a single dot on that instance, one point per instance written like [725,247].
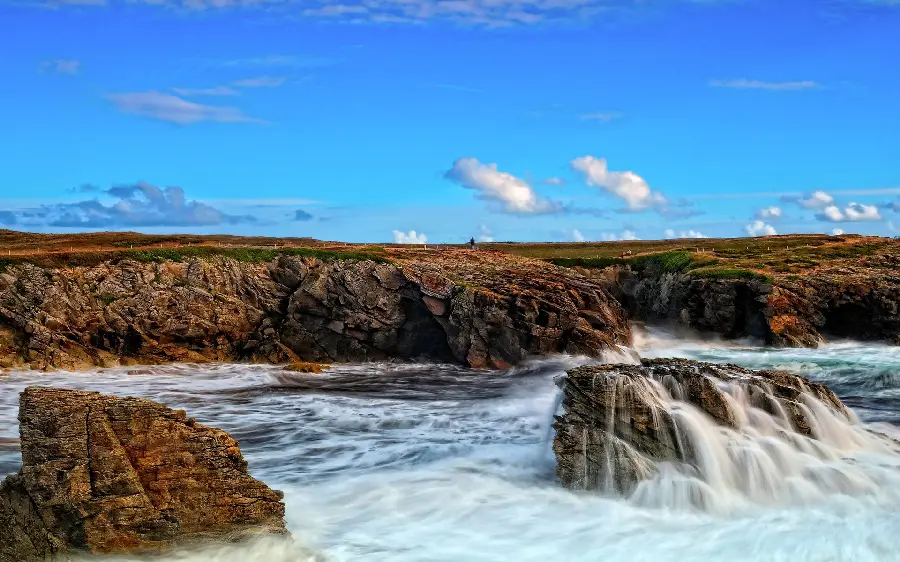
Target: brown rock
[615,430]
[104,474]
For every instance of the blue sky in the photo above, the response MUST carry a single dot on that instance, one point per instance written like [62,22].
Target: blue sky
[363,120]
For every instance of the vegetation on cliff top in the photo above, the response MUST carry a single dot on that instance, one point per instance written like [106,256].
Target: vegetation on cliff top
[719,258]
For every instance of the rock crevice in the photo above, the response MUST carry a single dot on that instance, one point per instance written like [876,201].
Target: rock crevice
[474,308]
[104,474]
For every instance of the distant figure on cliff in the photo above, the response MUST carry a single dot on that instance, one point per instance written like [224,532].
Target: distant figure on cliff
[471,243]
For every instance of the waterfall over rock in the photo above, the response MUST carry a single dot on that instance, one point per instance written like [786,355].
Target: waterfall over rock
[679,433]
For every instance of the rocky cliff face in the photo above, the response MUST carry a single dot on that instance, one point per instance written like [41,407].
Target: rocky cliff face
[674,431]
[103,474]
[476,308]
[732,308]
[786,310]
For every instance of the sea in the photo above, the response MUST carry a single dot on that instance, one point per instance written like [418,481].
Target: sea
[439,463]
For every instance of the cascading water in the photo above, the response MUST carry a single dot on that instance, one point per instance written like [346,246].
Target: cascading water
[717,445]
[387,463]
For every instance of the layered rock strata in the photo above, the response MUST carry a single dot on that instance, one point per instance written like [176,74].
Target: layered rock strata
[102,474]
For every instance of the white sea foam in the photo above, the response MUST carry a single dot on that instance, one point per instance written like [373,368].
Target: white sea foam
[424,463]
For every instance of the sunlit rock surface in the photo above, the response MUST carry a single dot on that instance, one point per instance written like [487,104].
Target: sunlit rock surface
[481,309]
[104,474]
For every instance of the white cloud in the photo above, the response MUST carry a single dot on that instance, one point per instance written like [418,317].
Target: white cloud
[769,213]
[744,84]
[854,212]
[627,186]
[613,237]
[816,200]
[61,66]
[215,91]
[410,237]
[837,231]
[513,193]
[481,13]
[166,107]
[602,117]
[760,228]
[577,236]
[485,234]
[260,82]
[553,181]
[671,234]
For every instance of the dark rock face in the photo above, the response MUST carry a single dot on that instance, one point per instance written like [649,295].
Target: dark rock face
[732,308]
[103,474]
[621,422]
[790,311]
[475,308]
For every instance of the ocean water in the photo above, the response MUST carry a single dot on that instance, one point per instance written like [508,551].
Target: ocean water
[439,463]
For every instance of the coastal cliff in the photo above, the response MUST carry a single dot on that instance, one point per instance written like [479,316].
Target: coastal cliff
[788,291]
[103,474]
[481,309]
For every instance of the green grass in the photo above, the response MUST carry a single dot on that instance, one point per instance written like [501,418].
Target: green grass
[248,255]
[590,263]
[108,299]
[725,272]
[160,255]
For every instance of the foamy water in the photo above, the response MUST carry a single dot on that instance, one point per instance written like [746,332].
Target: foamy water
[438,463]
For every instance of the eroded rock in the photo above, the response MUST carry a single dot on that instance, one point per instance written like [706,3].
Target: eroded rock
[704,430]
[477,308]
[104,474]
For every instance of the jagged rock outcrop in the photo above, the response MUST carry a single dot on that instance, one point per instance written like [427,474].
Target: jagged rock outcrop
[477,308]
[732,308]
[104,474]
[786,310]
[697,428]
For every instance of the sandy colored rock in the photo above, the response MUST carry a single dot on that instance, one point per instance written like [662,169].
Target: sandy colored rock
[482,309]
[104,474]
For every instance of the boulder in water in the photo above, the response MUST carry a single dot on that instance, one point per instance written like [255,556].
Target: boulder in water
[104,474]
[674,431]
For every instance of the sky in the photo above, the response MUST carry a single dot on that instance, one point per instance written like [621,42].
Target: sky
[418,121]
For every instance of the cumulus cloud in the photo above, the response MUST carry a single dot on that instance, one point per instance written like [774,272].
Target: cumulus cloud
[485,234]
[411,237]
[769,213]
[672,234]
[854,212]
[301,215]
[815,200]
[61,66]
[577,236]
[624,235]
[837,231]
[760,228]
[136,205]
[627,186]
[8,218]
[744,84]
[166,107]
[513,194]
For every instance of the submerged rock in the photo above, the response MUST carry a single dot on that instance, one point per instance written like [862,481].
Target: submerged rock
[104,474]
[674,431]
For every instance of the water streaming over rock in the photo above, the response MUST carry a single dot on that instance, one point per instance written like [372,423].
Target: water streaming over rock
[436,463]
